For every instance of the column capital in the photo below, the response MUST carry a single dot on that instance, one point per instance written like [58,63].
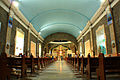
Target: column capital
[11,13]
[29,29]
[90,28]
[81,37]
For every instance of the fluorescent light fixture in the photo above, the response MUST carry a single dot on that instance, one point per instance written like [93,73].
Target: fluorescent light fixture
[19,0]
[39,32]
[60,42]
[80,31]
[43,28]
[102,1]
[15,3]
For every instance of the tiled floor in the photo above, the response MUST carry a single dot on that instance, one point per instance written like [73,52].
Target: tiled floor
[59,70]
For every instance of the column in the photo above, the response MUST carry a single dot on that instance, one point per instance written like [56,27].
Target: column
[42,49]
[83,46]
[91,41]
[78,51]
[37,46]
[28,43]
[112,30]
[8,32]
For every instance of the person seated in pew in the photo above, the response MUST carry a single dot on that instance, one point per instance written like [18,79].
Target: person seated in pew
[20,55]
[52,57]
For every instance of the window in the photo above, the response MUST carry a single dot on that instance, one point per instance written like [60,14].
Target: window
[19,43]
[100,39]
[39,50]
[33,49]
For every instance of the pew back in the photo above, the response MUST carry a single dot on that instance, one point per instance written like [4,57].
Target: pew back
[18,63]
[92,65]
[107,65]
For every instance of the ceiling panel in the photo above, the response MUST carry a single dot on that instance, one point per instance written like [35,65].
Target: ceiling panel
[50,16]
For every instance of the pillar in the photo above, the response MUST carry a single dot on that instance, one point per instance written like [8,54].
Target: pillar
[112,30]
[83,46]
[37,47]
[78,48]
[91,42]
[42,50]
[8,33]
[28,43]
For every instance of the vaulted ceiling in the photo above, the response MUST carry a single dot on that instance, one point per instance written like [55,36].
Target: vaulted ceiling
[51,16]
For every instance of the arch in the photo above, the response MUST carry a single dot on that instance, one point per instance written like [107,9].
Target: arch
[59,23]
[60,36]
[52,10]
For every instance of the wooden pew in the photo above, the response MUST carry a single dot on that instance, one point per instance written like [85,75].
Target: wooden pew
[75,63]
[30,63]
[83,64]
[92,65]
[41,62]
[79,63]
[44,62]
[18,63]
[4,68]
[37,62]
[71,61]
[68,60]
[48,61]
[107,65]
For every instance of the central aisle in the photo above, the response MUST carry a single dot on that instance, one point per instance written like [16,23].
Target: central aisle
[59,70]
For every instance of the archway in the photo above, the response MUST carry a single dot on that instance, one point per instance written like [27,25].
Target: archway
[60,36]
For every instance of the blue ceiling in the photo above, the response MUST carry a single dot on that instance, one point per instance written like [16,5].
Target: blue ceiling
[51,16]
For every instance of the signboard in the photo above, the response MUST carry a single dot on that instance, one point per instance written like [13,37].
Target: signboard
[109,17]
[10,21]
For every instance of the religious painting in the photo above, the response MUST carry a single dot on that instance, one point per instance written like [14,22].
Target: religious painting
[101,40]
[33,49]
[87,48]
[19,43]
